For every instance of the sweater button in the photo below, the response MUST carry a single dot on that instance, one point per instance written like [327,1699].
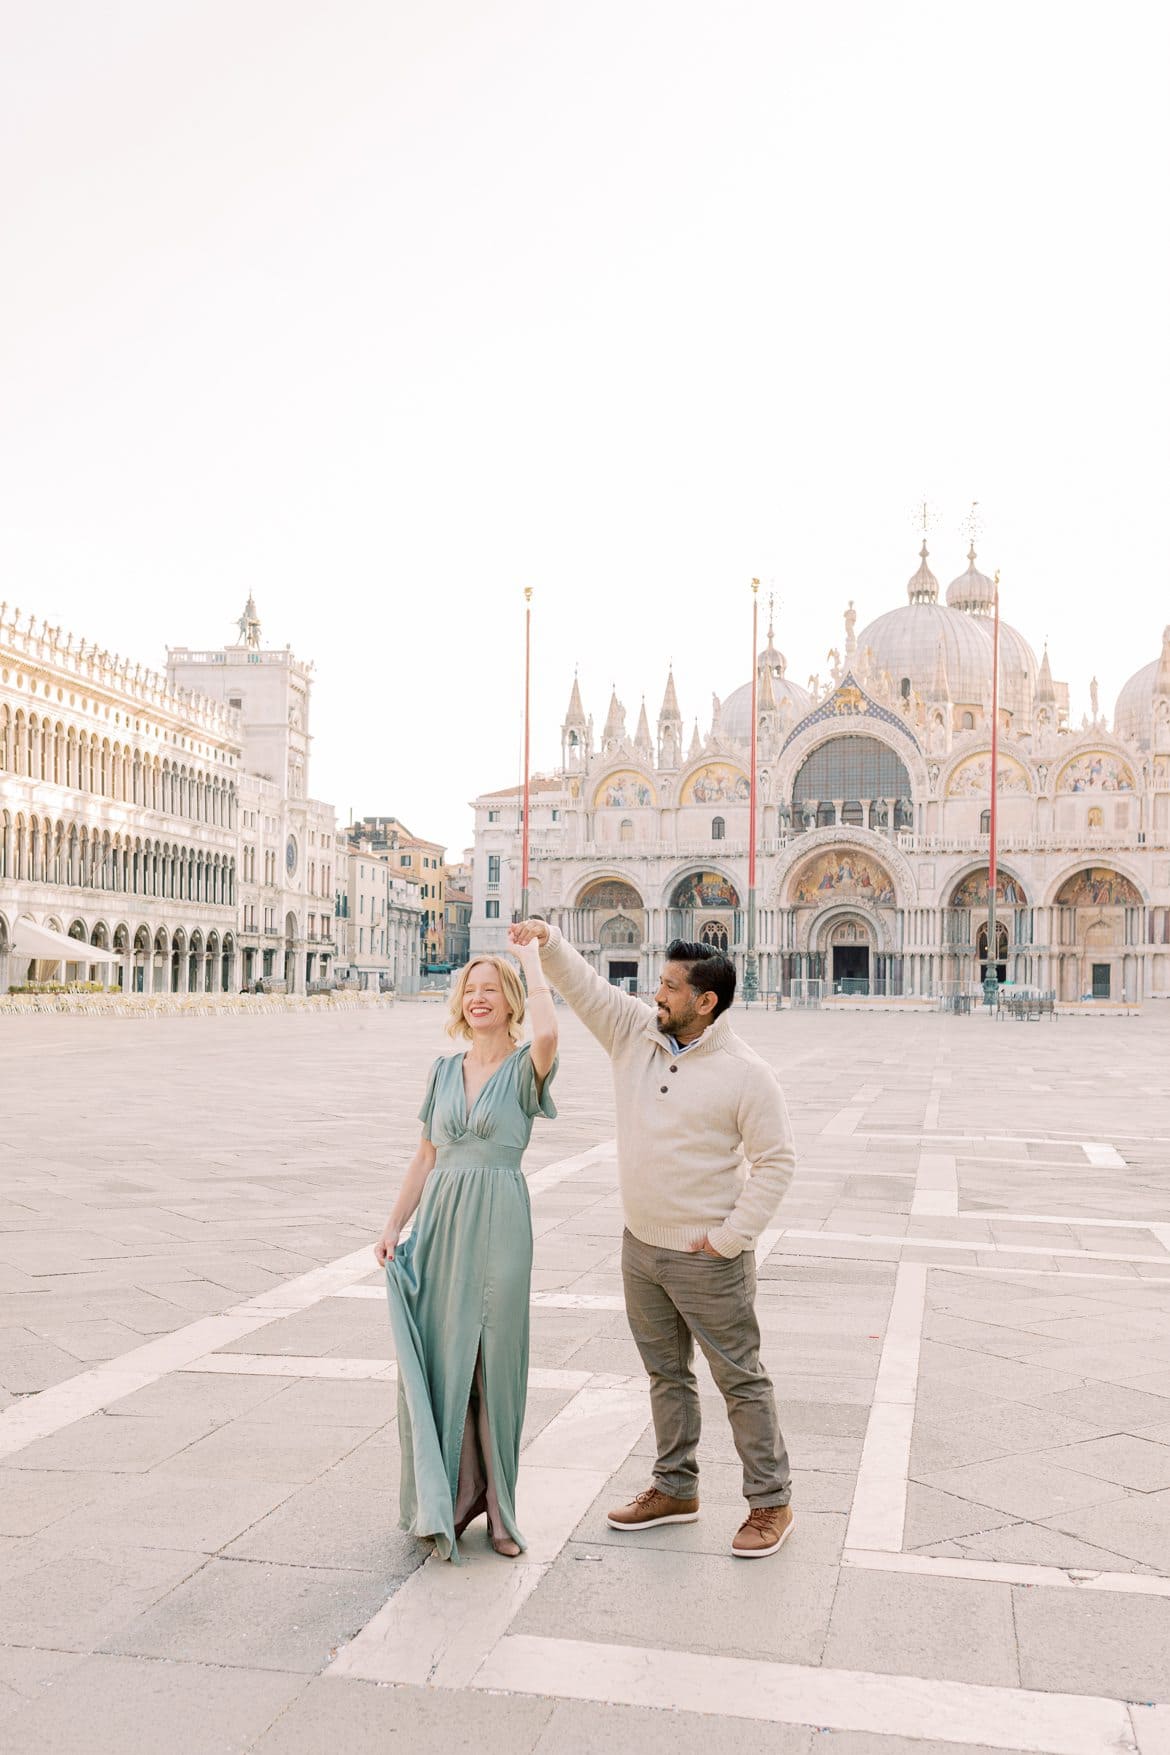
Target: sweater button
[674,1069]
[664,1089]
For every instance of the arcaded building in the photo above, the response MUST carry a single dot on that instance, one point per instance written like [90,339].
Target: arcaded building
[873,820]
[162,818]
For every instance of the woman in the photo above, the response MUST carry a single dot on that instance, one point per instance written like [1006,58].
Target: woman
[459,1285]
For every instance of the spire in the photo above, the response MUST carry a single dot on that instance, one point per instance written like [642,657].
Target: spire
[941,688]
[670,711]
[576,712]
[1045,688]
[1162,678]
[576,732]
[615,723]
[249,624]
[766,699]
[923,587]
[642,736]
[670,727]
[696,748]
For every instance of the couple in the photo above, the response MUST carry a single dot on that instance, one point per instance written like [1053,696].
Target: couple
[693,1101]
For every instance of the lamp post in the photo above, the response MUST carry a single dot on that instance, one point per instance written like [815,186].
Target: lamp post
[991,978]
[751,978]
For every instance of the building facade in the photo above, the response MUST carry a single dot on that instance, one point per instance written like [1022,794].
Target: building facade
[378,916]
[165,818]
[423,863]
[287,839]
[119,815]
[873,822]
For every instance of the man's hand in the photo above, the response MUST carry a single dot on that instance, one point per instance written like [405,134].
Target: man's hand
[527,932]
[703,1247]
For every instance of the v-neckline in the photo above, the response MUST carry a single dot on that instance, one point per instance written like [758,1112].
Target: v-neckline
[469,1108]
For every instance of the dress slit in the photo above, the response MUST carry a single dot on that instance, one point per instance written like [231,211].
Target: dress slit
[477,1475]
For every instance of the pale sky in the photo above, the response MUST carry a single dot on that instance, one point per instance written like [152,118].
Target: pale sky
[385,311]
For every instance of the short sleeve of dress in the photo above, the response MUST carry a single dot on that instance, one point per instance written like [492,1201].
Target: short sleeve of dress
[428,1106]
[530,1102]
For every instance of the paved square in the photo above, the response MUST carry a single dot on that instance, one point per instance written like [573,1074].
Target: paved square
[965,1303]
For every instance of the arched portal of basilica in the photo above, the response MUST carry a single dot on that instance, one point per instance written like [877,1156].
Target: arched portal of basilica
[872,823]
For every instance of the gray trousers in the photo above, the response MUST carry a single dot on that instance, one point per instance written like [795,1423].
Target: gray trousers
[673,1299]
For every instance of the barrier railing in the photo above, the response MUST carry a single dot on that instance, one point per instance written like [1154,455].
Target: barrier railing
[169,1005]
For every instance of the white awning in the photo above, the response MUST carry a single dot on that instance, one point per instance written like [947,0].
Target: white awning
[48,946]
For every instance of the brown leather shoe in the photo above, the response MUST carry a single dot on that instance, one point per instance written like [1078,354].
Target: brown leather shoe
[763,1532]
[651,1508]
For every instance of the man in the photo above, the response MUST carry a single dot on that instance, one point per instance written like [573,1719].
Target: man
[692,1100]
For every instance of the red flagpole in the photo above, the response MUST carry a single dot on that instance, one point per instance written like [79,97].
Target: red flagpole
[751,985]
[755,738]
[993,824]
[524,826]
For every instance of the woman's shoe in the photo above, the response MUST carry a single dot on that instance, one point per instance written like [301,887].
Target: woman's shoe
[503,1544]
[477,1510]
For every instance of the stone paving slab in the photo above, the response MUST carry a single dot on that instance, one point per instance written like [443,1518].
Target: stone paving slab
[196,1552]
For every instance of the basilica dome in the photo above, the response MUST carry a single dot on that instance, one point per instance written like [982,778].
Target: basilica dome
[972,591]
[737,708]
[1133,716]
[905,643]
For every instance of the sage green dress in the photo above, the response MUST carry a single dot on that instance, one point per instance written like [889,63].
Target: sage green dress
[459,1289]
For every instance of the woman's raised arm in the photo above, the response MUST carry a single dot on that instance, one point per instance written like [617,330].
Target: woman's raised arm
[541,1013]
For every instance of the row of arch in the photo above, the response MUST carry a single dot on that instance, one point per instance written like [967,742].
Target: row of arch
[75,856]
[154,959]
[863,767]
[1088,886]
[44,749]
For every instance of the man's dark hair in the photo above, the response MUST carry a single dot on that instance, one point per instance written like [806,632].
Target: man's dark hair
[708,971]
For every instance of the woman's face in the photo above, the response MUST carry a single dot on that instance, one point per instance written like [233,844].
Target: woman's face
[484,1005]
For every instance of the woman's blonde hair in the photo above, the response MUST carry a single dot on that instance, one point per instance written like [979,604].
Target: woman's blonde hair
[511,987]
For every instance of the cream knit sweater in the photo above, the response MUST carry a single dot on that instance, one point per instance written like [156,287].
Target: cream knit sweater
[684,1122]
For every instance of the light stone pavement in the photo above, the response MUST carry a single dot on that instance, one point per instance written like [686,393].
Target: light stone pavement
[965,1305]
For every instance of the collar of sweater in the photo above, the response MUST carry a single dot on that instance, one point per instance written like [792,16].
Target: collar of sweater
[713,1037]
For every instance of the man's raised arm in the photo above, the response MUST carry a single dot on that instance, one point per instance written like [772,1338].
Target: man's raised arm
[605,1011]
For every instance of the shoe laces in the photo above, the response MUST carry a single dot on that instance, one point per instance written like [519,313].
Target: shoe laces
[760,1517]
[646,1495]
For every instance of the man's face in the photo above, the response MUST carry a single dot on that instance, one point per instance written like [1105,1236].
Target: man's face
[679,1011]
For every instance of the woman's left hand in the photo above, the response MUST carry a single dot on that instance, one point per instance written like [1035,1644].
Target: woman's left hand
[703,1247]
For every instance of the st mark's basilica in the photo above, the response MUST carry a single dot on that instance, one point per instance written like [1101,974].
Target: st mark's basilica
[873,820]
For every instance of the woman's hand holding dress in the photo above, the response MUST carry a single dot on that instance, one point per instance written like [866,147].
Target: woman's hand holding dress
[387,1243]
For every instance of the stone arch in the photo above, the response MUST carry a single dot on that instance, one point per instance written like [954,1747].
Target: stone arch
[1010,888]
[866,843]
[842,872]
[713,779]
[1121,868]
[627,786]
[1064,891]
[707,888]
[817,732]
[866,779]
[968,775]
[607,889]
[813,930]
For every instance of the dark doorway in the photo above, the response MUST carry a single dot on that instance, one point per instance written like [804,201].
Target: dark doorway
[623,975]
[1101,980]
[851,968]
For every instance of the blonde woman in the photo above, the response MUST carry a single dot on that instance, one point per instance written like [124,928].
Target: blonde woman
[459,1284]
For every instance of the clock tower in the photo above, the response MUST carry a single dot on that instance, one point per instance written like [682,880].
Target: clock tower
[287,854]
